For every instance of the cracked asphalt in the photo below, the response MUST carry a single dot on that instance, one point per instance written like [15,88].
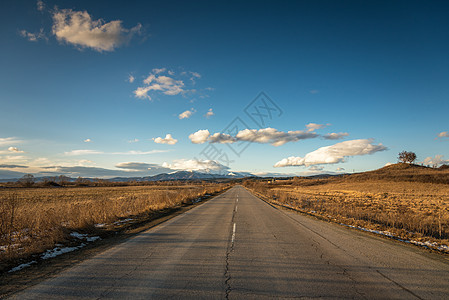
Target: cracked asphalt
[236,246]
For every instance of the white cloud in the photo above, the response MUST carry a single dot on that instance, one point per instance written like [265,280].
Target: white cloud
[314,91]
[134,152]
[273,136]
[333,154]
[164,81]
[167,140]
[78,28]
[187,114]
[195,165]
[9,140]
[315,126]
[161,83]
[263,136]
[133,141]
[131,78]
[85,162]
[435,161]
[199,137]
[87,140]
[195,74]
[82,152]
[209,113]
[340,169]
[34,37]
[157,71]
[15,150]
[335,136]
[443,134]
[221,138]
[40,5]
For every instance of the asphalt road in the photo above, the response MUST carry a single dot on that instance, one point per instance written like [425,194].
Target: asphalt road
[238,247]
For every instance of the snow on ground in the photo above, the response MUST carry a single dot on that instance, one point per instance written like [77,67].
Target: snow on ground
[58,251]
[123,221]
[82,236]
[22,266]
[427,244]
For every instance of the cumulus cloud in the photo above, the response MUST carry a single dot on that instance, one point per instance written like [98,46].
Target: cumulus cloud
[335,136]
[167,140]
[263,136]
[221,138]
[79,29]
[186,114]
[161,83]
[209,113]
[131,78]
[314,126]
[195,165]
[333,154]
[443,134]
[199,137]
[133,141]
[33,36]
[435,161]
[87,140]
[15,150]
[273,136]
[167,82]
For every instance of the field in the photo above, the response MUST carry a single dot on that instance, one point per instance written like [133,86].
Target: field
[406,201]
[33,220]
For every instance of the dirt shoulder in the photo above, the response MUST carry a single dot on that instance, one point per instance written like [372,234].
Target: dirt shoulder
[11,283]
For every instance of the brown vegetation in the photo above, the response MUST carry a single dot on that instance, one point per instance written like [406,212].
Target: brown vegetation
[408,200]
[35,219]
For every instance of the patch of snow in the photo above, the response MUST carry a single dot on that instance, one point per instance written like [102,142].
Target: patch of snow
[123,221]
[82,236]
[58,251]
[100,225]
[22,266]
[427,244]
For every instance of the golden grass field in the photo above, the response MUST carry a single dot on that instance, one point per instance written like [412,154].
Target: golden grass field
[35,219]
[409,201]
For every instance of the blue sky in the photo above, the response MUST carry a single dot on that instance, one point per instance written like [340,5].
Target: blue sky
[87,88]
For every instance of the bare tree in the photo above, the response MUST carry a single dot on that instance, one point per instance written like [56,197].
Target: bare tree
[27,180]
[407,157]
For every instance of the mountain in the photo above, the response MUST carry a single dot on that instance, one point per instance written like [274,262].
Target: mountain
[185,175]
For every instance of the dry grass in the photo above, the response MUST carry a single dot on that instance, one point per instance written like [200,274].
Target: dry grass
[35,219]
[387,199]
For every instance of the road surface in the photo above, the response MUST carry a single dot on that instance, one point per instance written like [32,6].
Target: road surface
[238,247]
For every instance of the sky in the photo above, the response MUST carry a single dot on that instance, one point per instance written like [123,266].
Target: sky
[138,88]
